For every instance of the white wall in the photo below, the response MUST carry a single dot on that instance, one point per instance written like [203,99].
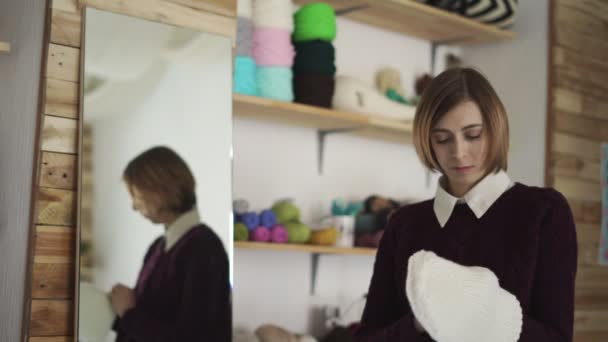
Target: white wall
[184,103]
[19,90]
[518,71]
[273,161]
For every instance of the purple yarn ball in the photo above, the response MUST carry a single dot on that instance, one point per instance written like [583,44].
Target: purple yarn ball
[279,234]
[260,234]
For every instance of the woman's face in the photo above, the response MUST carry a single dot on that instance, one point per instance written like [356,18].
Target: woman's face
[146,204]
[459,143]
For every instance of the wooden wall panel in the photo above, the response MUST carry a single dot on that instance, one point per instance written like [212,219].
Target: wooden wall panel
[51,310]
[49,281]
[65,28]
[51,318]
[578,124]
[63,63]
[59,134]
[55,207]
[58,170]
[172,13]
[574,102]
[52,339]
[61,98]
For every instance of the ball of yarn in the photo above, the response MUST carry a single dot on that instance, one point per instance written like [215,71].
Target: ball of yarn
[275,83]
[278,234]
[313,89]
[297,232]
[268,218]
[286,212]
[245,76]
[244,37]
[244,8]
[272,47]
[240,206]
[315,56]
[315,21]
[260,234]
[325,237]
[251,220]
[273,13]
[241,233]
[365,223]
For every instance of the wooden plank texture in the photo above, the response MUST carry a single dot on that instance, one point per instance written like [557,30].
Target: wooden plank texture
[59,134]
[170,13]
[223,7]
[65,5]
[61,98]
[51,318]
[574,102]
[575,167]
[54,245]
[58,170]
[586,211]
[63,63]
[65,28]
[53,281]
[576,146]
[55,207]
[574,188]
[52,339]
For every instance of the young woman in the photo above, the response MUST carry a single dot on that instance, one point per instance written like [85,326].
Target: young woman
[183,290]
[487,259]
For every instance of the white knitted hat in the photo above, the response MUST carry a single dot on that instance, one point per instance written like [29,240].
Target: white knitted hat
[455,303]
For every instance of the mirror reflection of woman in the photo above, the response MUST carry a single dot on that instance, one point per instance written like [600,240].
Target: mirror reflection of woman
[183,290]
[487,259]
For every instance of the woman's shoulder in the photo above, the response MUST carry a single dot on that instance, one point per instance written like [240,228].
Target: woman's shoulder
[541,196]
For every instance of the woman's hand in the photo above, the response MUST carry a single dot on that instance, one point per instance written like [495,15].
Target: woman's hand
[122,299]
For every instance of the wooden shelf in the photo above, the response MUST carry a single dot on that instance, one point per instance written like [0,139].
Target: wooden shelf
[304,248]
[320,118]
[5,47]
[419,20]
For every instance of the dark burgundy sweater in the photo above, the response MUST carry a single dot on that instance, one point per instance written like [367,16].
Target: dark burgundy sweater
[186,294]
[527,238]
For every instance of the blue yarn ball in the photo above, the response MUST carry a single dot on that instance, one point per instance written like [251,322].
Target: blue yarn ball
[245,75]
[275,83]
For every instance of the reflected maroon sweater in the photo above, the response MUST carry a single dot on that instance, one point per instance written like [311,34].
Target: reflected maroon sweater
[186,294]
[527,238]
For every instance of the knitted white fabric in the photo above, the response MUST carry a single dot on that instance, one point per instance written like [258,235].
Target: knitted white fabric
[455,303]
[273,14]
[244,8]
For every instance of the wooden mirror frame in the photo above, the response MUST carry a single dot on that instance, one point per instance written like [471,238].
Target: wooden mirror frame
[50,305]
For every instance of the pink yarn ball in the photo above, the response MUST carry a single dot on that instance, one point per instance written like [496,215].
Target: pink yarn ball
[279,234]
[272,47]
[261,234]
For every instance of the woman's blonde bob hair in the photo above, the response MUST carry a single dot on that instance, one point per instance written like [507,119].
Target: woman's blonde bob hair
[449,89]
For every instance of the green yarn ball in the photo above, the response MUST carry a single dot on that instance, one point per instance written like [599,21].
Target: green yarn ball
[240,232]
[315,21]
[297,232]
[286,212]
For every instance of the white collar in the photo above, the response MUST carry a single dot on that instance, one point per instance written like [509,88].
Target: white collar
[180,227]
[480,198]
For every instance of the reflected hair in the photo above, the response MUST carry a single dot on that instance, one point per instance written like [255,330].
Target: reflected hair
[446,91]
[162,172]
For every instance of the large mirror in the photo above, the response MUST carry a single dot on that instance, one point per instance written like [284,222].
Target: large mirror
[155,206]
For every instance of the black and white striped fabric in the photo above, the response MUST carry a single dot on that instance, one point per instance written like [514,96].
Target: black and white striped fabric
[500,13]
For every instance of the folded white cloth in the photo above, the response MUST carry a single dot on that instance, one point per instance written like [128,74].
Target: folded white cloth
[455,303]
